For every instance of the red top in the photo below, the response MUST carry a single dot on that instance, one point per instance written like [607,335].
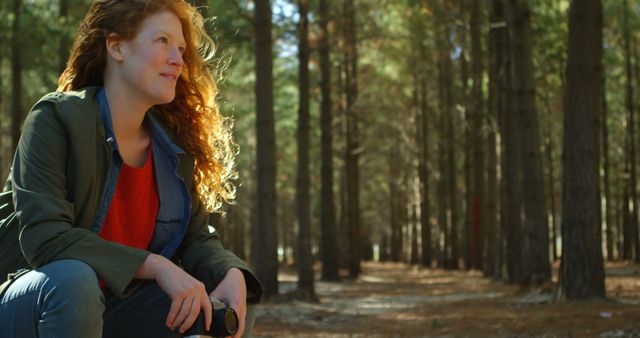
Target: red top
[131,217]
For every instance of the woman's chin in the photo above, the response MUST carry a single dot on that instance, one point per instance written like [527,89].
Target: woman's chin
[166,99]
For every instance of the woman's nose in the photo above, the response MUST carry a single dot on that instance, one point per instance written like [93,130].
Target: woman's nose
[175,57]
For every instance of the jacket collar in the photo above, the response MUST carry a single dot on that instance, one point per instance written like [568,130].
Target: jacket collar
[158,129]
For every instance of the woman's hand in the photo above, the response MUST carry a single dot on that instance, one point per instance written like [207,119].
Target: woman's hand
[188,295]
[232,290]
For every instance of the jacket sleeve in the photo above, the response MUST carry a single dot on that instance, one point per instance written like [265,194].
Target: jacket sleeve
[47,227]
[204,257]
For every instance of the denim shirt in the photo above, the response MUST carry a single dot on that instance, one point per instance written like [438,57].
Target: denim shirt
[174,200]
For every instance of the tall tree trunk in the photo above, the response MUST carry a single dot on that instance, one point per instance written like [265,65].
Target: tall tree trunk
[264,256]
[414,235]
[448,172]
[327,204]
[304,260]
[477,130]
[451,169]
[384,248]
[395,203]
[536,226]
[443,255]
[496,111]
[344,221]
[464,100]
[608,206]
[619,220]
[416,139]
[634,170]
[499,75]
[425,211]
[582,270]
[16,75]
[631,163]
[285,230]
[627,231]
[406,216]
[352,151]
[344,204]
[552,204]
[491,217]
[511,203]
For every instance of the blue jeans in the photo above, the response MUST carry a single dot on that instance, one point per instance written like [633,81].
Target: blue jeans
[63,299]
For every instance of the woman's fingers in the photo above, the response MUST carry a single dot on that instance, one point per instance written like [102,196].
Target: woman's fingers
[191,315]
[208,311]
[176,305]
[185,311]
[188,295]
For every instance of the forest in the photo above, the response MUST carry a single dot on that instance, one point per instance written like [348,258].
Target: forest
[434,146]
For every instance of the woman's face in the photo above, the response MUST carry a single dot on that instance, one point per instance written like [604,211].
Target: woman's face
[152,60]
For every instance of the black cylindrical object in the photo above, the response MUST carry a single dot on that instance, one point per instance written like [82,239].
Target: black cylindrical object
[225,322]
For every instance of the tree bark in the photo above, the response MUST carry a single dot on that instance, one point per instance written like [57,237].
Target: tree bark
[396,208]
[448,212]
[496,110]
[477,131]
[264,256]
[425,211]
[632,225]
[634,170]
[468,235]
[327,204]
[406,213]
[608,205]
[551,181]
[414,235]
[352,151]
[536,226]
[444,79]
[303,200]
[344,206]
[451,169]
[627,231]
[582,270]
[511,201]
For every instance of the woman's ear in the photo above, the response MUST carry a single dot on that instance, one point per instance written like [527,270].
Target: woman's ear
[114,47]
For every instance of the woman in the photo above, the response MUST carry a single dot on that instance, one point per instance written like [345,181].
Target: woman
[112,182]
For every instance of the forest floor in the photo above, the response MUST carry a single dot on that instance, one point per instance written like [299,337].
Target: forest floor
[399,300]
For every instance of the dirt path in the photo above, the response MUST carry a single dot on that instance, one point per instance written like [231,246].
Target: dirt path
[396,300]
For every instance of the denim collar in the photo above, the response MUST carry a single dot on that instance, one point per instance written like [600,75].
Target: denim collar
[157,127]
[160,135]
[105,114]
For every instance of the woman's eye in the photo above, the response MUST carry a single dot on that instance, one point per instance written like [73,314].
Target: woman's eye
[163,40]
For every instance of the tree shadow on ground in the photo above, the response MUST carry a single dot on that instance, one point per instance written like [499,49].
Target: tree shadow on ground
[398,300]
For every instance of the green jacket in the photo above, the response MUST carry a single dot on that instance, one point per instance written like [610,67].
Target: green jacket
[56,186]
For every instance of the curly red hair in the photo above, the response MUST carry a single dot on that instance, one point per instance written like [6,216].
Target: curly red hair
[194,114]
